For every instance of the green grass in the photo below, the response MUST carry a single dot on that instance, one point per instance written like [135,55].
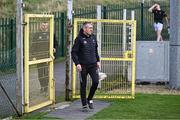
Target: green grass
[60,59]
[60,98]
[144,106]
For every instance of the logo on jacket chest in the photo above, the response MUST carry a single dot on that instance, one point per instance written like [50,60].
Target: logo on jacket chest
[90,42]
[85,42]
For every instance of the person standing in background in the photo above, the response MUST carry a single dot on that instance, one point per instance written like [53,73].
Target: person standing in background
[158,20]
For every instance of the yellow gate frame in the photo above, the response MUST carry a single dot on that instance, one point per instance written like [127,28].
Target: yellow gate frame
[126,57]
[27,63]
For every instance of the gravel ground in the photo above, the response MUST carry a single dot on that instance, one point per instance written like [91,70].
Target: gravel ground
[156,89]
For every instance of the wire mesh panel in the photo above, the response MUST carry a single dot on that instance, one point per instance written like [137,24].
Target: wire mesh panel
[39,38]
[7,89]
[7,67]
[117,47]
[39,83]
[119,75]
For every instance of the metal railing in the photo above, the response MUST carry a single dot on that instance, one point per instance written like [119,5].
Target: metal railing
[144,20]
[116,62]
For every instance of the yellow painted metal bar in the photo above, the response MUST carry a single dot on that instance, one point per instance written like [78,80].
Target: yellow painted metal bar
[127,53]
[74,81]
[110,96]
[134,59]
[74,67]
[40,61]
[39,106]
[26,66]
[104,20]
[114,96]
[51,69]
[39,15]
[116,59]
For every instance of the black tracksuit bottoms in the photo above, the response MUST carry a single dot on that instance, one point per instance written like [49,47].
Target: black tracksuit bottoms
[93,72]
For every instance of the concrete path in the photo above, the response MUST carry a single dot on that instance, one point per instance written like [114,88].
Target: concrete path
[71,111]
[59,75]
[74,111]
[9,83]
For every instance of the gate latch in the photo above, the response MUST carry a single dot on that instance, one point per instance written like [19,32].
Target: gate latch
[128,54]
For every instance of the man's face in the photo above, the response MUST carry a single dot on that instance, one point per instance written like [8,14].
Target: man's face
[88,29]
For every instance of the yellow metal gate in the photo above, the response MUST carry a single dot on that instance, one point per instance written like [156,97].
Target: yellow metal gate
[38,61]
[117,48]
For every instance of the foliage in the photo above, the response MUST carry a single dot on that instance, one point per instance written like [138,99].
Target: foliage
[8,7]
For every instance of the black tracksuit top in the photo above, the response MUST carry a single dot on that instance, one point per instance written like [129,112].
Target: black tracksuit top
[84,50]
[159,15]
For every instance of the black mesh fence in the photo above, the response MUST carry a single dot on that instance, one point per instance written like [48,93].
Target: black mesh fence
[8,85]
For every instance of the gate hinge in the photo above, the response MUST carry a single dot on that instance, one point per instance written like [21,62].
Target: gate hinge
[24,23]
[53,82]
[25,104]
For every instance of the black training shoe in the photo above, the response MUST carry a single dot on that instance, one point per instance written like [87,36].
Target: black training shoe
[90,104]
[85,108]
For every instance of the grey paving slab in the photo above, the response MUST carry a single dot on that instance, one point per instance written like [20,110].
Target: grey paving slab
[8,82]
[59,75]
[74,111]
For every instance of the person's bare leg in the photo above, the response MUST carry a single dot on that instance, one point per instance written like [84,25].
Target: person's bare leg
[161,39]
[159,36]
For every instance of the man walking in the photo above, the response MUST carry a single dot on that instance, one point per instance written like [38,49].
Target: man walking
[86,58]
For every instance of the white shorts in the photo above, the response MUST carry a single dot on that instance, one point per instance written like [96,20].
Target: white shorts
[158,26]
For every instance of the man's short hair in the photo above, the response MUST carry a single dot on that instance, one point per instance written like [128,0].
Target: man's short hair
[85,24]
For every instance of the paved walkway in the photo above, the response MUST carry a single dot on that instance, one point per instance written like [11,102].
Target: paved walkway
[66,111]
[73,111]
[70,111]
[59,75]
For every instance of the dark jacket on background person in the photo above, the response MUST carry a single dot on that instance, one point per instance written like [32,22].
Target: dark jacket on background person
[55,42]
[55,46]
[84,50]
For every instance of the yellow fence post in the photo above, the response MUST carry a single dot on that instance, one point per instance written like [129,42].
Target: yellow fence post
[26,64]
[134,58]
